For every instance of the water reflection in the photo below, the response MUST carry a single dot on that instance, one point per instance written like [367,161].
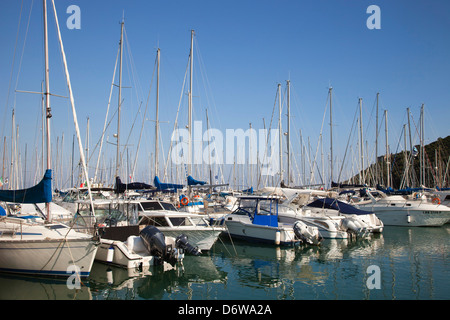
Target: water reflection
[13,287]
[413,262]
[109,282]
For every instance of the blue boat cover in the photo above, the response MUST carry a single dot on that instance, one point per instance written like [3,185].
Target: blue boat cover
[406,191]
[342,207]
[166,186]
[121,187]
[192,182]
[249,190]
[40,193]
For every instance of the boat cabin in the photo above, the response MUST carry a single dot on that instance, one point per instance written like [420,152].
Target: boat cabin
[164,214]
[262,210]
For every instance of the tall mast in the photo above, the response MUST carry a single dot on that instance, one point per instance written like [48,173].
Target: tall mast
[388,162]
[411,150]
[120,100]
[288,131]
[47,98]
[280,133]
[72,103]
[331,136]
[361,142]
[157,117]
[376,141]
[191,61]
[406,173]
[422,144]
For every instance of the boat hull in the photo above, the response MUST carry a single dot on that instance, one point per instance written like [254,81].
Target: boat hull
[48,257]
[259,233]
[413,218]
[124,257]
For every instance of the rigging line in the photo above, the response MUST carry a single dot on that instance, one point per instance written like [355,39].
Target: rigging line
[143,118]
[319,142]
[267,141]
[348,142]
[207,85]
[106,117]
[13,62]
[176,120]
[132,67]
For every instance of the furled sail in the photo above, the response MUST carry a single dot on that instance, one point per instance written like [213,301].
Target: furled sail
[40,193]
[122,187]
[192,182]
[166,186]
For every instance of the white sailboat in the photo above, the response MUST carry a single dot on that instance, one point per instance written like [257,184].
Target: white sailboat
[41,247]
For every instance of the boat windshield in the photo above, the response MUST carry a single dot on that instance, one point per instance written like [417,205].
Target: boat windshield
[157,205]
[260,206]
[168,206]
[151,206]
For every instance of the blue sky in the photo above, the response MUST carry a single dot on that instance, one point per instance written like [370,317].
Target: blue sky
[245,49]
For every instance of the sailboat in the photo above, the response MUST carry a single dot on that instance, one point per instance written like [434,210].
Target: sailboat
[38,246]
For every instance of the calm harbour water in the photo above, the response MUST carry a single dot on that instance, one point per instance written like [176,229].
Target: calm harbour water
[413,265]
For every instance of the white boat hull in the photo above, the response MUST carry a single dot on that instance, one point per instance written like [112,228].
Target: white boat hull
[395,211]
[44,249]
[47,257]
[413,218]
[258,233]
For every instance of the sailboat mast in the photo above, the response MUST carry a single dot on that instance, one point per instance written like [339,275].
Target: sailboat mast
[191,61]
[120,100]
[331,137]
[157,116]
[388,162]
[422,144]
[376,142]
[288,131]
[361,142]
[280,133]
[47,99]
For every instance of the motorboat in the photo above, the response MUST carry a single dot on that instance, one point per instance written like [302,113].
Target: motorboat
[201,231]
[332,222]
[256,220]
[150,248]
[360,222]
[395,210]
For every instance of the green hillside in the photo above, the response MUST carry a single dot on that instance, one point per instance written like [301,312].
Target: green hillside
[435,172]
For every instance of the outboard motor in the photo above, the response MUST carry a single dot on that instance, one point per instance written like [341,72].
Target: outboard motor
[182,243]
[308,234]
[155,242]
[356,227]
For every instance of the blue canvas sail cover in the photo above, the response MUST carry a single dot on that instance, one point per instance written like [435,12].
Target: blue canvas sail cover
[166,186]
[40,193]
[192,182]
[122,187]
[342,207]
